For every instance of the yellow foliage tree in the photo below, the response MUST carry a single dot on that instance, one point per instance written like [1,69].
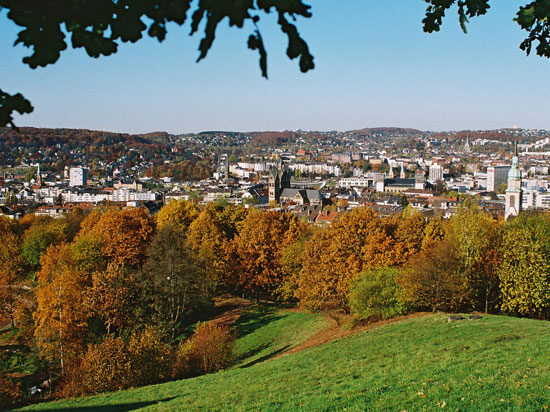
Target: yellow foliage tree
[179,212]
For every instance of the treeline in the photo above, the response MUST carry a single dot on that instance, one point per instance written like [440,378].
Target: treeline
[191,169]
[44,145]
[105,299]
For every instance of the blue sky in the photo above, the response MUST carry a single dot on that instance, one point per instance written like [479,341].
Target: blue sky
[374,67]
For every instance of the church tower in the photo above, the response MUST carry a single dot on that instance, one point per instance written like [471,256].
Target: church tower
[38,176]
[514,192]
[278,180]
[402,175]
[274,186]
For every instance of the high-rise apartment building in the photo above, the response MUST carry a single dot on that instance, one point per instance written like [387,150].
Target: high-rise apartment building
[496,175]
[436,173]
[78,176]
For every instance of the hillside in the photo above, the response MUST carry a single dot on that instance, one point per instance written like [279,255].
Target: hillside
[419,363]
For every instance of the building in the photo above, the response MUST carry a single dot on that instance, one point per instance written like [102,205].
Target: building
[496,175]
[301,197]
[436,173]
[78,176]
[419,180]
[513,202]
[278,180]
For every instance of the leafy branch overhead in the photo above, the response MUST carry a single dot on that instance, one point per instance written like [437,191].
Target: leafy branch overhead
[99,26]
[534,18]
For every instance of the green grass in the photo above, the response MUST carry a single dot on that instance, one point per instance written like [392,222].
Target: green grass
[496,363]
[265,332]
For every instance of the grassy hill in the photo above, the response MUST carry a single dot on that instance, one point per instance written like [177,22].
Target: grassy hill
[419,363]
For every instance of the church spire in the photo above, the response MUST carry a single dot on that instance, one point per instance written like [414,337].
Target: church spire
[514,192]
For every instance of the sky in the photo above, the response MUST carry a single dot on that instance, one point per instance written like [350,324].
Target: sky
[374,67]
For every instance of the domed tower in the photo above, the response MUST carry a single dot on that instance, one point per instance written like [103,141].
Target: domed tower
[513,192]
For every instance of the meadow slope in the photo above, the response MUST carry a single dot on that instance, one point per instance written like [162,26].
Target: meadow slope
[416,364]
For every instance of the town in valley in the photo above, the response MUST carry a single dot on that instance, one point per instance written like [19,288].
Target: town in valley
[316,175]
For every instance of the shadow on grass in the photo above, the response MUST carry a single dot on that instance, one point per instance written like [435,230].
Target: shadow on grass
[253,352]
[266,357]
[124,407]
[251,321]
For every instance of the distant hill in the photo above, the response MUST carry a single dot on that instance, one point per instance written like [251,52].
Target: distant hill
[33,137]
[387,131]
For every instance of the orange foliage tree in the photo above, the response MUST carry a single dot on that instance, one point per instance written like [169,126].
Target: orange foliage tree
[60,316]
[358,240]
[254,265]
[112,297]
[124,235]
[11,269]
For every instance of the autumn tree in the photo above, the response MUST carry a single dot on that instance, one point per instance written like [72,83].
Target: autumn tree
[112,297]
[524,272]
[88,254]
[476,236]
[11,270]
[433,233]
[209,235]
[433,280]
[408,235]
[358,240]
[60,317]
[173,280]
[209,349]
[292,262]
[179,212]
[150,358]
[124,235]
[105,366]
[256,266]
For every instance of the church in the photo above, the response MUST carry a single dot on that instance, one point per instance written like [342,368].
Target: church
[278,180]
[280,190]
[514,191]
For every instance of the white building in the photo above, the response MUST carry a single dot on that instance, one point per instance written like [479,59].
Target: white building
[369,179]
[496,175]
[78,176]
[436,173]
[514,192]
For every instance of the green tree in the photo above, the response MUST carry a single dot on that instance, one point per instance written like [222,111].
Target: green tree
[174,280]
[41,234]
[376,293]
[525,269]
[476,236]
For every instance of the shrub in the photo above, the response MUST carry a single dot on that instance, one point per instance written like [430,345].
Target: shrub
[10,391]
[433,280]
[375,294]
[105,366]
[208,350]
[150,360]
